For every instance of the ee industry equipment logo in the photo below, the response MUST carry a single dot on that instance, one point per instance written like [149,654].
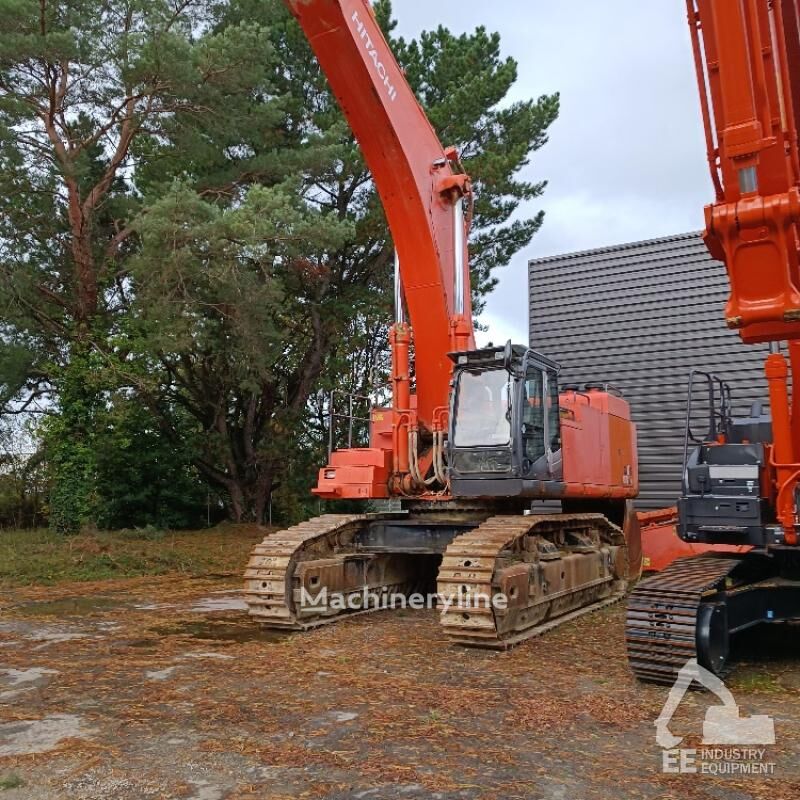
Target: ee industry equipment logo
[732,744]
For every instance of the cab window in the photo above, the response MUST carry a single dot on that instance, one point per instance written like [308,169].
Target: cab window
[553,414]
[533,415]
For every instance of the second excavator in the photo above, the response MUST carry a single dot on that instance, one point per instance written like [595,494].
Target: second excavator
[471,436]
[741,479]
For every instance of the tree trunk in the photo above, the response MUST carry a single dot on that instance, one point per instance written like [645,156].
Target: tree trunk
[263,490]
[237,506]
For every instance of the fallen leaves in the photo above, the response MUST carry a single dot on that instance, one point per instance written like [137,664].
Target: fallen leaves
[374,701]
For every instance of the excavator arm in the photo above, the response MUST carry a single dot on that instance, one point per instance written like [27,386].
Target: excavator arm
[747,55]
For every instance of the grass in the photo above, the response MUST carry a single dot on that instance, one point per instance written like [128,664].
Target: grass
[756,682]
[11,781]
[40,557]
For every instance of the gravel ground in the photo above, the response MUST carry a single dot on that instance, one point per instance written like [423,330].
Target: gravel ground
[162,688]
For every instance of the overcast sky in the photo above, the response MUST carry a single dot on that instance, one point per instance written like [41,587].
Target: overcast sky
[626,159]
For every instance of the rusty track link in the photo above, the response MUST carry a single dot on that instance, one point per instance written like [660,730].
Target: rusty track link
[269,578]
[551,568]
[661,620]
[317,554]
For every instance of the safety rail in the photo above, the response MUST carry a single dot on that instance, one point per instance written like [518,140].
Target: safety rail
[354,414]
[719,409]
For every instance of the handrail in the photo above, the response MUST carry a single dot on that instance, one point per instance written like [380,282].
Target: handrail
[723,415]
[350,415]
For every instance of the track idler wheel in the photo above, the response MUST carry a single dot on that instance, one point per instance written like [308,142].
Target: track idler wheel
[713,637]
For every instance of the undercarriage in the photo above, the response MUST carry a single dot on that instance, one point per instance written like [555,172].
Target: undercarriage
[497,579]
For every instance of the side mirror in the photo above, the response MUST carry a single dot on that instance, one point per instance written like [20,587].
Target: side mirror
[508,355]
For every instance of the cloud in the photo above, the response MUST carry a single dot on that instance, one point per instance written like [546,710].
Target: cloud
[626,159]
[501,328]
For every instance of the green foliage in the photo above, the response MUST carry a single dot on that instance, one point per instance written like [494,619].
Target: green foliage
[44,557]
[150,533]
[21,496]
[95,99]
[70,444]
[143,480]
[16,365]
[80,84]
[11,781]
[109,465]
[222,281]
[219,328]
[193,250]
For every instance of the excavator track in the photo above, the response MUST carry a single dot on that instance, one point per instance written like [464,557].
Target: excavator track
[663,614]
[549,569]
[317,554]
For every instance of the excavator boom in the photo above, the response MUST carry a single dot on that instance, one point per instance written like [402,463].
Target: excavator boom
[420,184]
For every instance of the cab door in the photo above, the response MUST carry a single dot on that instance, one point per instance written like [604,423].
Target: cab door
[541,424]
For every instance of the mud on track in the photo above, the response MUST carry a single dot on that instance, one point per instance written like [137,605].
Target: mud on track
[162,688]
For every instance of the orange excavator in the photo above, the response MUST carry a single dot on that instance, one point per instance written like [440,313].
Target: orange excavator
[472,436]
[741,477]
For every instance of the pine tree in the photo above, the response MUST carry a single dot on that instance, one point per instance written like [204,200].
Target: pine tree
[186,216]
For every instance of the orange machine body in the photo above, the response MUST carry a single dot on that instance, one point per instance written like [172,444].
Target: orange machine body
[598,445]
[747,56]
[661,545]
[598,451]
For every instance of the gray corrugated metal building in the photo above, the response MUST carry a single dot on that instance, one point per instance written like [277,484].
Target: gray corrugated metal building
[641,316]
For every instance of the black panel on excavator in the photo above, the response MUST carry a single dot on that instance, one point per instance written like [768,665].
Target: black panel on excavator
[722,502]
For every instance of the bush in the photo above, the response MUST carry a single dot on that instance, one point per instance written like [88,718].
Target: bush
[144,480]
[22,496]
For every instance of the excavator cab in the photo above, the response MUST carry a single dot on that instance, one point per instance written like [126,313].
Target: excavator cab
[505,431]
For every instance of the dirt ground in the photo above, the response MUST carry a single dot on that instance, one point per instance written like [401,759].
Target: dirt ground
[161,688]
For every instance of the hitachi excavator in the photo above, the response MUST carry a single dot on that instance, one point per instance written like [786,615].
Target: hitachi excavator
[472,436]
[741,478]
